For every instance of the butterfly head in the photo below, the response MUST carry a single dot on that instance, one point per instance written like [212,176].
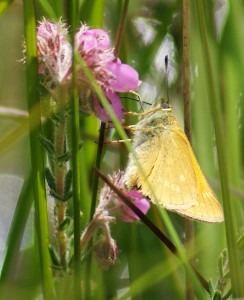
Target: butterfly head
[163,103]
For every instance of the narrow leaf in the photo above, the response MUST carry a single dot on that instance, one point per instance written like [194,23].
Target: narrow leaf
[64,225]
[68,182]
[50,179]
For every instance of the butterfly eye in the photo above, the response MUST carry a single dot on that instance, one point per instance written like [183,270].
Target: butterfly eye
[165,105]
[154,123]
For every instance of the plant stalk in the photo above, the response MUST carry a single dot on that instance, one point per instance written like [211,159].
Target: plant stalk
[60,171]
[189,225]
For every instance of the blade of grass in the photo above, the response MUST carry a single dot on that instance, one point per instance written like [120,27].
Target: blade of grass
[36,150]
[235,270]
[92,12]
[49,10]
[205,149]
[231,64]
[121,28]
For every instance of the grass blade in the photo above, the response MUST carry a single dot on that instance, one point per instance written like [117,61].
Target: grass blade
[36,150]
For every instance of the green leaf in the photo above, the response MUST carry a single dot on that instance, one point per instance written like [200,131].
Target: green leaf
[64,157]
[65,224]
[67,155]
[217,296]
[50,179]
[68,182]
[60,197]
[48,145]
[54,256]
[240,239]
[68,196]
[56,195]
[56,118]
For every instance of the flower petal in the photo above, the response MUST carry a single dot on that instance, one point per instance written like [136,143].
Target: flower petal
[115,103]
[102,38]
[126,77]
[140,202]
[91,40]
[85,42]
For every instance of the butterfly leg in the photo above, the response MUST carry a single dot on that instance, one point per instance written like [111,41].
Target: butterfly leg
[134,128]
[132,113]
[116,141]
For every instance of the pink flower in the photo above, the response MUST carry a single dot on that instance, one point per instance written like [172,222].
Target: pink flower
[112,76]
[126,214]
[54,52]
[115,103]
[55,62]
[111,202]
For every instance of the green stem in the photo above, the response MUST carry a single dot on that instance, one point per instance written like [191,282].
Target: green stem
[121,28]
[60,171]
[93,203]
[76,193]
[98,164]
[36,151]
[189,225]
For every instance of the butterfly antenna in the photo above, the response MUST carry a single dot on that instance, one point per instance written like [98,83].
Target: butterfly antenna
[139,99]
[166,60]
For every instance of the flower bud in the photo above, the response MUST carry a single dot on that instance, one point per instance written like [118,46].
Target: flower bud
[106,251]
[54,52]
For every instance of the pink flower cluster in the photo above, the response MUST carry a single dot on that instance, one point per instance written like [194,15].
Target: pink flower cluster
[114,205]
[93,45]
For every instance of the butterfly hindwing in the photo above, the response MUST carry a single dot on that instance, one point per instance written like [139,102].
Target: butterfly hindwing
[207,208]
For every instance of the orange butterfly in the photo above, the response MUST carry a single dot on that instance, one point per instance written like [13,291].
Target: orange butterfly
[170,175]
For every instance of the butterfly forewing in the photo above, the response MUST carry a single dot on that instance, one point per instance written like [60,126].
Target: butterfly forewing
[172,178]
[168,177]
